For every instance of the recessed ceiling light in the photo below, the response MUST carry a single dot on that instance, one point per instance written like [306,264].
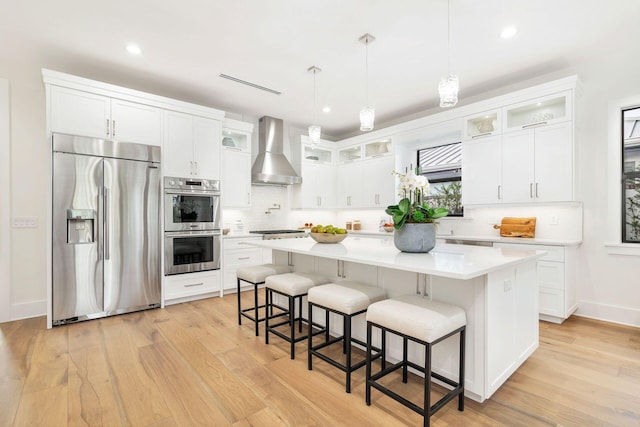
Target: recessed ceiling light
[508,32]
[134,49]
[326,109]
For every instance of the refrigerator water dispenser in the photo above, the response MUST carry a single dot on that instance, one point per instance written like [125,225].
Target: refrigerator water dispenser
[80,226]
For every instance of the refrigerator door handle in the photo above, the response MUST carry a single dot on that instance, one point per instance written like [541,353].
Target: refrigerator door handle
[106,224]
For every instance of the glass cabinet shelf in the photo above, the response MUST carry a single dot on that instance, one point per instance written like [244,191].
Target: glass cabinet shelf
[540,111]
[378,148]
[235,140]
[482,124]
[350,154]
[317,154]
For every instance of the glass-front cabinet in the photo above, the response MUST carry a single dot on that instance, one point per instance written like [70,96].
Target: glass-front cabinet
[378,148]
[482,124]
[538,112]
[350,154]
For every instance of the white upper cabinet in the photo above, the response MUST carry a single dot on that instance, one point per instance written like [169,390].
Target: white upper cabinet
[379,183]
[236,164]
[318,171]
[192,147]
[482,170]
[350,186]
[82,113]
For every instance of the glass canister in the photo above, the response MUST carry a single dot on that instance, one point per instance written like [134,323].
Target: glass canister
[348,226]
[357,225]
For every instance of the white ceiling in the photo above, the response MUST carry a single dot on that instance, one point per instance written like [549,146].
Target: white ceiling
[186,44]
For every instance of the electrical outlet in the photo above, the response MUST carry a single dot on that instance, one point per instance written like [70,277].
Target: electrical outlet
[25,222]
[553,220]
[507,285]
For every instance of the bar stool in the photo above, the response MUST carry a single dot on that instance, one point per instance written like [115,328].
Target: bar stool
[293,286]
[424,322]
[255,275]
[347,299]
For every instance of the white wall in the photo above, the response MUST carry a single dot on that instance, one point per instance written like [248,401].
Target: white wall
[609,285]
[5,196]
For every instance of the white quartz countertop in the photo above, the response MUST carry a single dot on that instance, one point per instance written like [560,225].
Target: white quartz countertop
[499,239]
[446,260]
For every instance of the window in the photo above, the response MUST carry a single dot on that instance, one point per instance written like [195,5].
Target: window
[442,165]
[631,175]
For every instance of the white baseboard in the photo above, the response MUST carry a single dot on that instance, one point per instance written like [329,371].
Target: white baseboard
[26,310]
[609,313]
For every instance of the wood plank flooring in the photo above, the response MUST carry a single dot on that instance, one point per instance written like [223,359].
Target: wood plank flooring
[191,364]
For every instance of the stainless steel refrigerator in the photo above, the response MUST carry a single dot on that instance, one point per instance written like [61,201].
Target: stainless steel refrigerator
[106,228]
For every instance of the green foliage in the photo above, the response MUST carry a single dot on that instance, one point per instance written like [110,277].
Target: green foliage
[448,197]
[404,211]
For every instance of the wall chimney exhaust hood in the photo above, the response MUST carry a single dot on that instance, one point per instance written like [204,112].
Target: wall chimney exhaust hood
[271,165]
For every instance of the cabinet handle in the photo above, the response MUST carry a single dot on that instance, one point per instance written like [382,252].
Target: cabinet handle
[533,124]
[193,284]
[248,198]
[107,127]
[536,190]
[290,259]
[113,128]
[196,168]
[481,134]
[531,190]
[499,198]
[244,257]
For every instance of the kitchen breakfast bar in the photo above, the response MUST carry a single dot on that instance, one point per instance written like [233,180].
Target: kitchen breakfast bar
[496,287]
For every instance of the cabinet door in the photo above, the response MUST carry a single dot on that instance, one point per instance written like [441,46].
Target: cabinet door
[235,180]
[379,183]
[80,113]
[318,186]
[178,145]
[206,148]
[133,122]
[517,167]
[349,185]
[482,170]
[554,163]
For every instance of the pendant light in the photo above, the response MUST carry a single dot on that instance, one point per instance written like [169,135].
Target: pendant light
[314,130]
[367,113]
[449,85]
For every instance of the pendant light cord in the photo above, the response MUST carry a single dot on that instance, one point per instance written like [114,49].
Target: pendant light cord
[366,72]
[314,95]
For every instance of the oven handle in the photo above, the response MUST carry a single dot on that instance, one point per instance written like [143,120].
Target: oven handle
[191,193]
[215,232]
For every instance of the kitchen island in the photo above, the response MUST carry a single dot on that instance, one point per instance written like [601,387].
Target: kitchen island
[496,287]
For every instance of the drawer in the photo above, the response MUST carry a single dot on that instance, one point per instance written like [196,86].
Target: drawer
[554,253]
[551,302]
[242,257]
[551,274]
[237,243]
[184,285]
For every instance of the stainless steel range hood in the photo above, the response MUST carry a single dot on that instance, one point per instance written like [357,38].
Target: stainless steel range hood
[271,166]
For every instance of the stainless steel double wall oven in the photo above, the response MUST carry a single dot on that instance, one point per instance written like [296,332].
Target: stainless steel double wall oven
[192,225]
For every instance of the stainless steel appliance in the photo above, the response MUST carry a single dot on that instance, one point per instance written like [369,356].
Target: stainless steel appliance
[191,251]
[280,234]
[191,204]
[271,166]
[106,228]
[192,238]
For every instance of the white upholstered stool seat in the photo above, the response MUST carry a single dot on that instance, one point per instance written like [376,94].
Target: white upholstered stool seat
[420,320]
[255,275]
[293,286]
[258,273]
[347,299]
[417,317]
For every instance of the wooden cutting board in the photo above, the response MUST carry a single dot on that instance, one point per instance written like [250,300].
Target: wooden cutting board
[517,227]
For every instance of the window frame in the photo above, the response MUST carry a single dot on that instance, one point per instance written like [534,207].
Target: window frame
[624,176]
[457,178]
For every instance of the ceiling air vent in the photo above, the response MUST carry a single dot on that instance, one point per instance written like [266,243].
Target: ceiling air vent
[244,82]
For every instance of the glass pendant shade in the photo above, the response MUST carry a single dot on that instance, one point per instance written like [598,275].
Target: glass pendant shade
[448,90]
[367,116]
[314,134]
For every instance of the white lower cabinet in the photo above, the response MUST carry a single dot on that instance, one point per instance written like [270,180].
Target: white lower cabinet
[184,287]
[236,255]
[556,280]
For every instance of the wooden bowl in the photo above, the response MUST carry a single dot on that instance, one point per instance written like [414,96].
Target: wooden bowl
[328,238]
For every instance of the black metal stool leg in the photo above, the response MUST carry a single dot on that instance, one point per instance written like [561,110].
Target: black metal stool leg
[347,340]
[405,349]
[268,301]
[326,325]
[239,304]
[255,302]
[292,324]
[461,371]
[367,386]
[427,385]
[310,336]
[300,315]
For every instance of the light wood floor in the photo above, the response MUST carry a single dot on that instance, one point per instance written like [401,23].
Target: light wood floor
[191,364]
